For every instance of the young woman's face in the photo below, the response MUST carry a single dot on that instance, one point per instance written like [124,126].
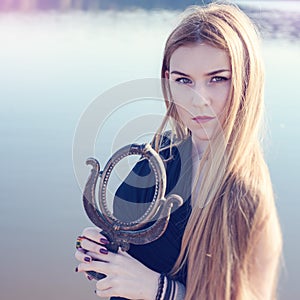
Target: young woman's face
[200,80]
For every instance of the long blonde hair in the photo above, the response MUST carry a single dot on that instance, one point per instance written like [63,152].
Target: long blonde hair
[236,188]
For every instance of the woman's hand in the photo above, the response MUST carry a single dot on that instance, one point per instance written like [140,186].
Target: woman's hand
[125,276]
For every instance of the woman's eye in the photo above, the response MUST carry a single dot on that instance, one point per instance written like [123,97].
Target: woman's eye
[183,80]
[218,79]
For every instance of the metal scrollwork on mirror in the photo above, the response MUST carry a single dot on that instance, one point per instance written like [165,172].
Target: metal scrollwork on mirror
[120,233]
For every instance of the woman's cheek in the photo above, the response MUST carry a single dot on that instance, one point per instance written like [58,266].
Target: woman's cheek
[181,93]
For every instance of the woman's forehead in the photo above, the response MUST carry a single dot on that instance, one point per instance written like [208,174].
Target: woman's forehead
[199,56]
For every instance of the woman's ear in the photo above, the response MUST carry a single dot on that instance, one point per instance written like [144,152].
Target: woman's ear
[167,74]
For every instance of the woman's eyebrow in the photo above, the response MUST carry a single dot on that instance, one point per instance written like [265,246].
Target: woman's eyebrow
[217,71]
[179,73]
[207,74]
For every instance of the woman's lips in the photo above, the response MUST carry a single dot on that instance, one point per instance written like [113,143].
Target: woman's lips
[202,119]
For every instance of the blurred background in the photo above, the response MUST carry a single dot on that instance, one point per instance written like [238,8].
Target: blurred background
[55,58]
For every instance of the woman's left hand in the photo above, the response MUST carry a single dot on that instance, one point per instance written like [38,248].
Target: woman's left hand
[125,276]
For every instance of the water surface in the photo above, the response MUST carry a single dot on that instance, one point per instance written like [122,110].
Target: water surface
[53,64]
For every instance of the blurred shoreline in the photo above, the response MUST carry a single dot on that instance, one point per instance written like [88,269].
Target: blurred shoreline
[93,5]
[274,19]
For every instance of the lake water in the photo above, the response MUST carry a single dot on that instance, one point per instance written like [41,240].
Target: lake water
[53,64]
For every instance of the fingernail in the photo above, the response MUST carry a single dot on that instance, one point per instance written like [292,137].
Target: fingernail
[82,250]
[103,251]
[89,277]
[76,269]
[104,241]
[95,291]
[87,259]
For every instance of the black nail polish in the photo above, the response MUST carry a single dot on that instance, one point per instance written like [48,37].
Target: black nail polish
[104,241]
[87,259]
[76,269]
[103,251]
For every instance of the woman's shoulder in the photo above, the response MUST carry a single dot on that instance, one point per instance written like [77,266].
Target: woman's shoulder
[173,147]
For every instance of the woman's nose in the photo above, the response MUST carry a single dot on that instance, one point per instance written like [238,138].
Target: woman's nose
[200,95]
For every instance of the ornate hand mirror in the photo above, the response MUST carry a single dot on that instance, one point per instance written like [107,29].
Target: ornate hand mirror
[123,233]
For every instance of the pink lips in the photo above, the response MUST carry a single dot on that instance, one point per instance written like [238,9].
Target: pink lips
[202,119]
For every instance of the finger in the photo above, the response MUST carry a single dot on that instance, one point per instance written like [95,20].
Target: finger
[123,253]
[96,256]
[105,294]
[104,284]
[96,266]
[81,250]
[83,257]
[94,234]
[105,288]
[88,277]
[94,247]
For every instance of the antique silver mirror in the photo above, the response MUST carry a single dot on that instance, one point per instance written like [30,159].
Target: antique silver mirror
[122,233]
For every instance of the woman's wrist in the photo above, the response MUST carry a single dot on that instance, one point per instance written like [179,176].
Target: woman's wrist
[151,285]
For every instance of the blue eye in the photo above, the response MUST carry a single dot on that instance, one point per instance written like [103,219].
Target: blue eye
[218,78]
[183,80]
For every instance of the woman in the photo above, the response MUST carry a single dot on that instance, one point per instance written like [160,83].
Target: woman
[225,241]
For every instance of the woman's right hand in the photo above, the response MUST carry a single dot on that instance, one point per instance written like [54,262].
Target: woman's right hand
[125,275]
[92,239]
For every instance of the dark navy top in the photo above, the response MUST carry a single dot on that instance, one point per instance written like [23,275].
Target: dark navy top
[136,192]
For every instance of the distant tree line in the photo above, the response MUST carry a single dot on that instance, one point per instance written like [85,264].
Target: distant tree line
[274,24]
[97,4]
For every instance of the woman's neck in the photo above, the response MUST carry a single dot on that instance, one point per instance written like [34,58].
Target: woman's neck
[199,147]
